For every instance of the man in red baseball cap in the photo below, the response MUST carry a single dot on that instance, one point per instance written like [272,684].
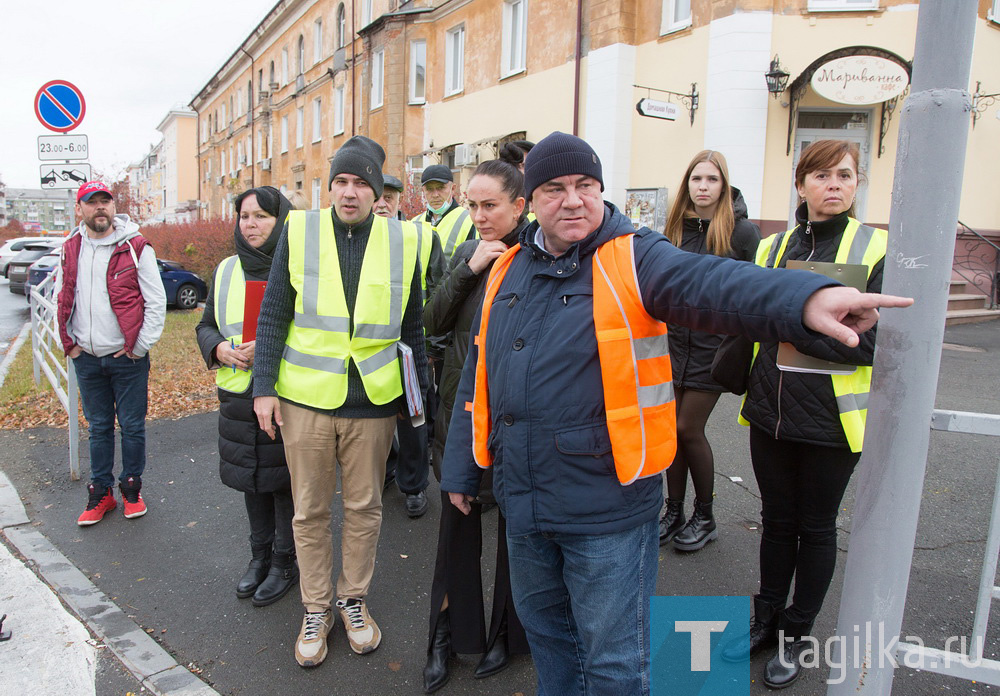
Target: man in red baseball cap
[111,308]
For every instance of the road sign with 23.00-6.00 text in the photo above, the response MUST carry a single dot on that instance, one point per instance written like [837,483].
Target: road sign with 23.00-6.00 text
[60,106]
[64,176]
[62,147]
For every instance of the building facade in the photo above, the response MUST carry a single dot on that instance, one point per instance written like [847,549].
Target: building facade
[40,210]
[449,81]
[164,182]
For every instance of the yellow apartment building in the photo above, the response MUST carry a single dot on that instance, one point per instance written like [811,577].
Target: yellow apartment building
[647,82]
[164,182]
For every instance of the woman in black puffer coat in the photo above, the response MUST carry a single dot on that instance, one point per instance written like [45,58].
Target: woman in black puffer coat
[457,622]
[249,460]
[708,216]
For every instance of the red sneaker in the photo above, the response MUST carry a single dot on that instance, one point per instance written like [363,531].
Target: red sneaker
[132,502]
[100,502]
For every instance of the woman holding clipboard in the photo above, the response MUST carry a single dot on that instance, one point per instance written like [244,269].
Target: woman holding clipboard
[250,461]
[807,426]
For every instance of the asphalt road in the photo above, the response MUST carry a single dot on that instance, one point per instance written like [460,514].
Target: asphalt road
[174,570]
[13,313]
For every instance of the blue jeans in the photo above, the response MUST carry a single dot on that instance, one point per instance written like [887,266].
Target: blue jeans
[584,603]
[111,387]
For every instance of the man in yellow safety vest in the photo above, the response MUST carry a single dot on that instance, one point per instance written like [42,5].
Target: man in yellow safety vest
[343,295]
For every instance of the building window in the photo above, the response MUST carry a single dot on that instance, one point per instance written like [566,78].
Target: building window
[224,113]
[301,54]
[284,134]
[994,14]
[454,61]
[239,154]
[338,111]
[271,80]
[317,120]
[842,5]
[316,194]
[418,71]
[284,66]
[366,12]
[676,16]
[300,119]
[341,26]
[317,41]
[515,36]
[378,73]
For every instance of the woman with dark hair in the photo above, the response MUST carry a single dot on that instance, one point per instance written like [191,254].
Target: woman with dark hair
[807,429]
[495,198]
[708,216]
[515,151]
[249,460]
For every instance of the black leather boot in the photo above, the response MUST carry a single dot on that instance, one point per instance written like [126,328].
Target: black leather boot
[260,563]
[672,521]
[496,657]
[784,668]
[699,530]
[763,633]
[436,672]
[282,577]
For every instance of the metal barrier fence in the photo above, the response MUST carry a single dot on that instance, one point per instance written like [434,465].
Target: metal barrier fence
[47,359]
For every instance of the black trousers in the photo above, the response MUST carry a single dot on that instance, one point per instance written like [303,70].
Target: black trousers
[801,488]
[458,575]
[270,516]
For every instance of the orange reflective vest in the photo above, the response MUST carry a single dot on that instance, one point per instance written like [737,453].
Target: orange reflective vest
[635,367]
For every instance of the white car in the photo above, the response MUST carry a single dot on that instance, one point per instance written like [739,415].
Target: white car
[13,247]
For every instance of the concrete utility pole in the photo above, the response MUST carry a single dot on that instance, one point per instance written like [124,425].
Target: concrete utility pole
[932,139]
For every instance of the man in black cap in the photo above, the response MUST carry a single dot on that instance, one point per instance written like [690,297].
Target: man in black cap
[451,221]
[570,403]
[328,373]
[408,464]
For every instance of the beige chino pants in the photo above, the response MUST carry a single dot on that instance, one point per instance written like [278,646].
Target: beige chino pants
[314,444]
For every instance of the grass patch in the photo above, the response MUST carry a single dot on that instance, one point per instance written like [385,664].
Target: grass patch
[179,384]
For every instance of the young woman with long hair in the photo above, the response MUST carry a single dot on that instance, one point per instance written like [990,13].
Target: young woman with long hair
[708,216]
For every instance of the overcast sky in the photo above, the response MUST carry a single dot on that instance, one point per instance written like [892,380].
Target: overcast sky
[132,59]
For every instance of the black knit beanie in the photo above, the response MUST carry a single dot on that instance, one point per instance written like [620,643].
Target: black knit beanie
[559,154]
[361,157]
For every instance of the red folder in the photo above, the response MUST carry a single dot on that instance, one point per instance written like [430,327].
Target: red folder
[251,308]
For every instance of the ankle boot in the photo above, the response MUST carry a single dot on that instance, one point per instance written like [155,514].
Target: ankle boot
[699,530]
[785,667]
[282,577]
[436,670]
[260,563]
[762,633]
[672,521]
[496,657]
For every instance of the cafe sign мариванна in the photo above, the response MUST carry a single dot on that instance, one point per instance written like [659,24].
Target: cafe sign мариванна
[860,80]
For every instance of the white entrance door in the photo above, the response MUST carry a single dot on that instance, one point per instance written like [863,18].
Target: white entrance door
[853,126]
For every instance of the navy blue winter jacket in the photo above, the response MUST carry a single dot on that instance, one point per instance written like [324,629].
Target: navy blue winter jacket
[553,468]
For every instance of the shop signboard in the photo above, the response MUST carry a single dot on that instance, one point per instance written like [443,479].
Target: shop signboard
[859,80]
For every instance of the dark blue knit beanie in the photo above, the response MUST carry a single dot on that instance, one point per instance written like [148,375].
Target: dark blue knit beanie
[560,154]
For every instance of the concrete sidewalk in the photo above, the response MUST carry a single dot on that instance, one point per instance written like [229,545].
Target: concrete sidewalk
[173,571]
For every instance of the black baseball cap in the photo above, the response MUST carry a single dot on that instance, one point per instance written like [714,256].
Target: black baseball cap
[436,172]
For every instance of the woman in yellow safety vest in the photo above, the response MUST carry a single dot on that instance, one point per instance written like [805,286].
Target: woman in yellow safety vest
[249,460]
[807,428]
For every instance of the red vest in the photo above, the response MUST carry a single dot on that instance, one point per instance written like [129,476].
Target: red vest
[126,298]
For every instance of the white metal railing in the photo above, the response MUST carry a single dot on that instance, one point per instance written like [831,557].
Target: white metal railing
[968,664]
[47,359]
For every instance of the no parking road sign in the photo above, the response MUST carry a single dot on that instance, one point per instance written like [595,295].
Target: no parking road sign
[59,105]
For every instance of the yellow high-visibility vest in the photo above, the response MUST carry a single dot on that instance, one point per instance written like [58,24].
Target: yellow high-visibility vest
[425,241]
[453,229]
[860,244]
[321,343]
[229,291]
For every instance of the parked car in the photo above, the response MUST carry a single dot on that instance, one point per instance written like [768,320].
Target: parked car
[17,269]
[39,271]
[184,289]
[13,247]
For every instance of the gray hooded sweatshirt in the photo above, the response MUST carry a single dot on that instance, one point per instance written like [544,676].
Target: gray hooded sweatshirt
[93,325]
